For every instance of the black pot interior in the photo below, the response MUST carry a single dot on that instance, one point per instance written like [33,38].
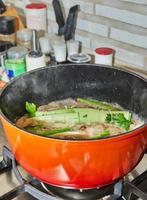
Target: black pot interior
[83,80]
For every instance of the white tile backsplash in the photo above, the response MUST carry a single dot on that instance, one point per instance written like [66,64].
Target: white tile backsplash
[129,37]
[122,15]
[121,24]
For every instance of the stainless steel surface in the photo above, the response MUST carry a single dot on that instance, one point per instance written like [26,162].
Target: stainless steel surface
[8,180]
[2,139]
[34,38]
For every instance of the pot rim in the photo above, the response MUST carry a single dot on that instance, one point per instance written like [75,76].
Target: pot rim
[128,133]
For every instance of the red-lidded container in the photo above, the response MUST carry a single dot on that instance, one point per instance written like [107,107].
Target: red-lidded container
[104,55]
[36,16]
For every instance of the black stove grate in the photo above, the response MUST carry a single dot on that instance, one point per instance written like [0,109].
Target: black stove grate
[117,191]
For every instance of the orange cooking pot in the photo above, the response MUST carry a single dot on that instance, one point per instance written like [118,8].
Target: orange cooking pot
[76,163]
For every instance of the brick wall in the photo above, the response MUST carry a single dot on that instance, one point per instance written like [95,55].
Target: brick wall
[120,24]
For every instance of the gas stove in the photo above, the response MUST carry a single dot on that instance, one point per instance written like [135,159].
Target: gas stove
[17,184]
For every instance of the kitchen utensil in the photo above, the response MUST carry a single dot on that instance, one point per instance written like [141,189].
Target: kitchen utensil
[70,25]
[35,59]
[59,17]
[66,28]
[76,164]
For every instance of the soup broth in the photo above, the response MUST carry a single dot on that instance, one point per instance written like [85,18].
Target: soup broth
[78,119]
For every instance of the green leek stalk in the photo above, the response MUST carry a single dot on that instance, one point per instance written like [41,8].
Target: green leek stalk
[97,104]
[102,134]
[78,115]
[48,132]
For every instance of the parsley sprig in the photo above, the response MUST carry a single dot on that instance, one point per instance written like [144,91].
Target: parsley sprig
[119,119]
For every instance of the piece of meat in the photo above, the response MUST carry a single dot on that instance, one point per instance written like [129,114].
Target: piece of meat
[83,127]
[71,135]
[114,129]
[62,104]
[25,121]
[58,104]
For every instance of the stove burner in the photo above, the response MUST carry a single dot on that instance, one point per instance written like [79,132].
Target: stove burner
[92,194]
[41,191]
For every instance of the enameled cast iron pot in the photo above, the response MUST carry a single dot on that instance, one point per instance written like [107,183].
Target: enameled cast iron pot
[76,163]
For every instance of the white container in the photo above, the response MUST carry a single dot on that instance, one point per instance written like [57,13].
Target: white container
[35,63]
[59,48]
[104,56]
[72,47]
[36,16]
[54,38]
[45,45]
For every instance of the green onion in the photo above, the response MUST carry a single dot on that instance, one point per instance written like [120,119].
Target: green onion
[97,104]
[47,132]
[102,134]
[30,108]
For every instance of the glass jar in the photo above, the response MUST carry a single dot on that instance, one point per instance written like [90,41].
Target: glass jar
[15,63]
[23,38]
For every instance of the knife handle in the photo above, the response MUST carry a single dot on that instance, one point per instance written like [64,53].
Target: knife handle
[70,25]
[59,16]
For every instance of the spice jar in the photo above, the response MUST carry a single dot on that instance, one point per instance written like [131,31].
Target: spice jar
[45,47]
[104,55]
[36,16]
[59,48]
[60,51]
[15,64]
[72,47]
[7,29]
[23,38]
